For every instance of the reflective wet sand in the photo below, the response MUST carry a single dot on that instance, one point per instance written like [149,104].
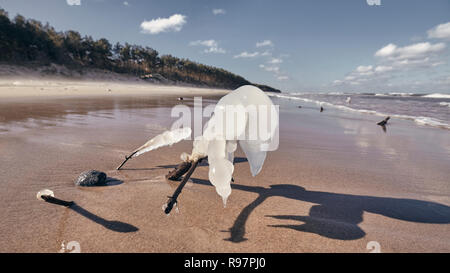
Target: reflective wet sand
[336,183]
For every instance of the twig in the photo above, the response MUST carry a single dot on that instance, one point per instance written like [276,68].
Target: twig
[53,200]
[179,170]
[126,159]
[173,199]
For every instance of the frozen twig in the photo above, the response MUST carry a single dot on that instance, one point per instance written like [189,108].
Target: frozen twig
[173,199]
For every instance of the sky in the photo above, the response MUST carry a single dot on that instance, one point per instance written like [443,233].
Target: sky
[296,46]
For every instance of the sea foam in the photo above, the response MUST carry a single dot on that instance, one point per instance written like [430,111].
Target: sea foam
[438,96]
[420,120]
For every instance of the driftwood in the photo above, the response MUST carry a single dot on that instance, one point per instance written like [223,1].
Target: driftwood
[173,199]
[179,171]
[53,200]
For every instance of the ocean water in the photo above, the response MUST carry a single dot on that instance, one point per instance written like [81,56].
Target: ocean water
[423,109]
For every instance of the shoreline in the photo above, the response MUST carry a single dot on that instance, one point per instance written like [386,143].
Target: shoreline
[334,184]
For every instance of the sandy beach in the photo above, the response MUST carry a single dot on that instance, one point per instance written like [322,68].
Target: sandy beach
[336,183]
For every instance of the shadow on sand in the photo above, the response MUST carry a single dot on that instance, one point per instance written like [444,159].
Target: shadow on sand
[149,169]
[116,226]
[336,215]
[111,181]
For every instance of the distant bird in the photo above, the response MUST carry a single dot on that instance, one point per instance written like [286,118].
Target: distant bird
[383,123]
[180,98]
[321,109]
[349,100]
[299,106]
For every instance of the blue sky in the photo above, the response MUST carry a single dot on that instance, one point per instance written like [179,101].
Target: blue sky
[298,46]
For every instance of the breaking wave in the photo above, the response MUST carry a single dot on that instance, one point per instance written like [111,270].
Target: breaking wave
[421,120]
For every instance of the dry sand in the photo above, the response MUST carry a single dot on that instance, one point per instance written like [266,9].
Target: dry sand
[335,183]
[70,88]
[58,81]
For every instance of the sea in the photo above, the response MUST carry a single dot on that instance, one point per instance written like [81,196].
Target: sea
[431,109]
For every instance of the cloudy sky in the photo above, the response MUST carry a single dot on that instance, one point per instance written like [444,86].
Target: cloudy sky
[299,46]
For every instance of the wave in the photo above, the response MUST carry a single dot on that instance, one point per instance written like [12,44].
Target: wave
[390,94]
[433,122]
[437,95]
[403,94]
[396,94]
[445,104]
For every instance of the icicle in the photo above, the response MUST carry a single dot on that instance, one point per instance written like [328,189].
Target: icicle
[164,139]
[245,107]
[44,192]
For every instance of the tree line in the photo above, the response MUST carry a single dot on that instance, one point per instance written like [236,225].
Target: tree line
[28,41]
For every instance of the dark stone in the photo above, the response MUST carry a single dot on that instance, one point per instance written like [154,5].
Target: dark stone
[91,178]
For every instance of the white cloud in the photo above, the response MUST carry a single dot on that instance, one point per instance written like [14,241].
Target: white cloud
[383,68]
[418,50]
[282,78]
[215,50]
[212,46]
[126,3]
[386,51]
[155,26]
[266,53]
[275,61]
[437,64]
[264,43]
[246,54]
[364,69]
[441,31]
[73,2]
[270,68]
[218,11]
[208,43]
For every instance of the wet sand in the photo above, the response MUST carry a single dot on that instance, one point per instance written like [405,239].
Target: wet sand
[336,183]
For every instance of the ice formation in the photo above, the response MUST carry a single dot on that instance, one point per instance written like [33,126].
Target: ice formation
[254,126]
[164,139]
[44,192]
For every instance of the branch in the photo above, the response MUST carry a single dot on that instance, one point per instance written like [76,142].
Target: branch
[53,200]
[180,170]
[126,159]
[173,199]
